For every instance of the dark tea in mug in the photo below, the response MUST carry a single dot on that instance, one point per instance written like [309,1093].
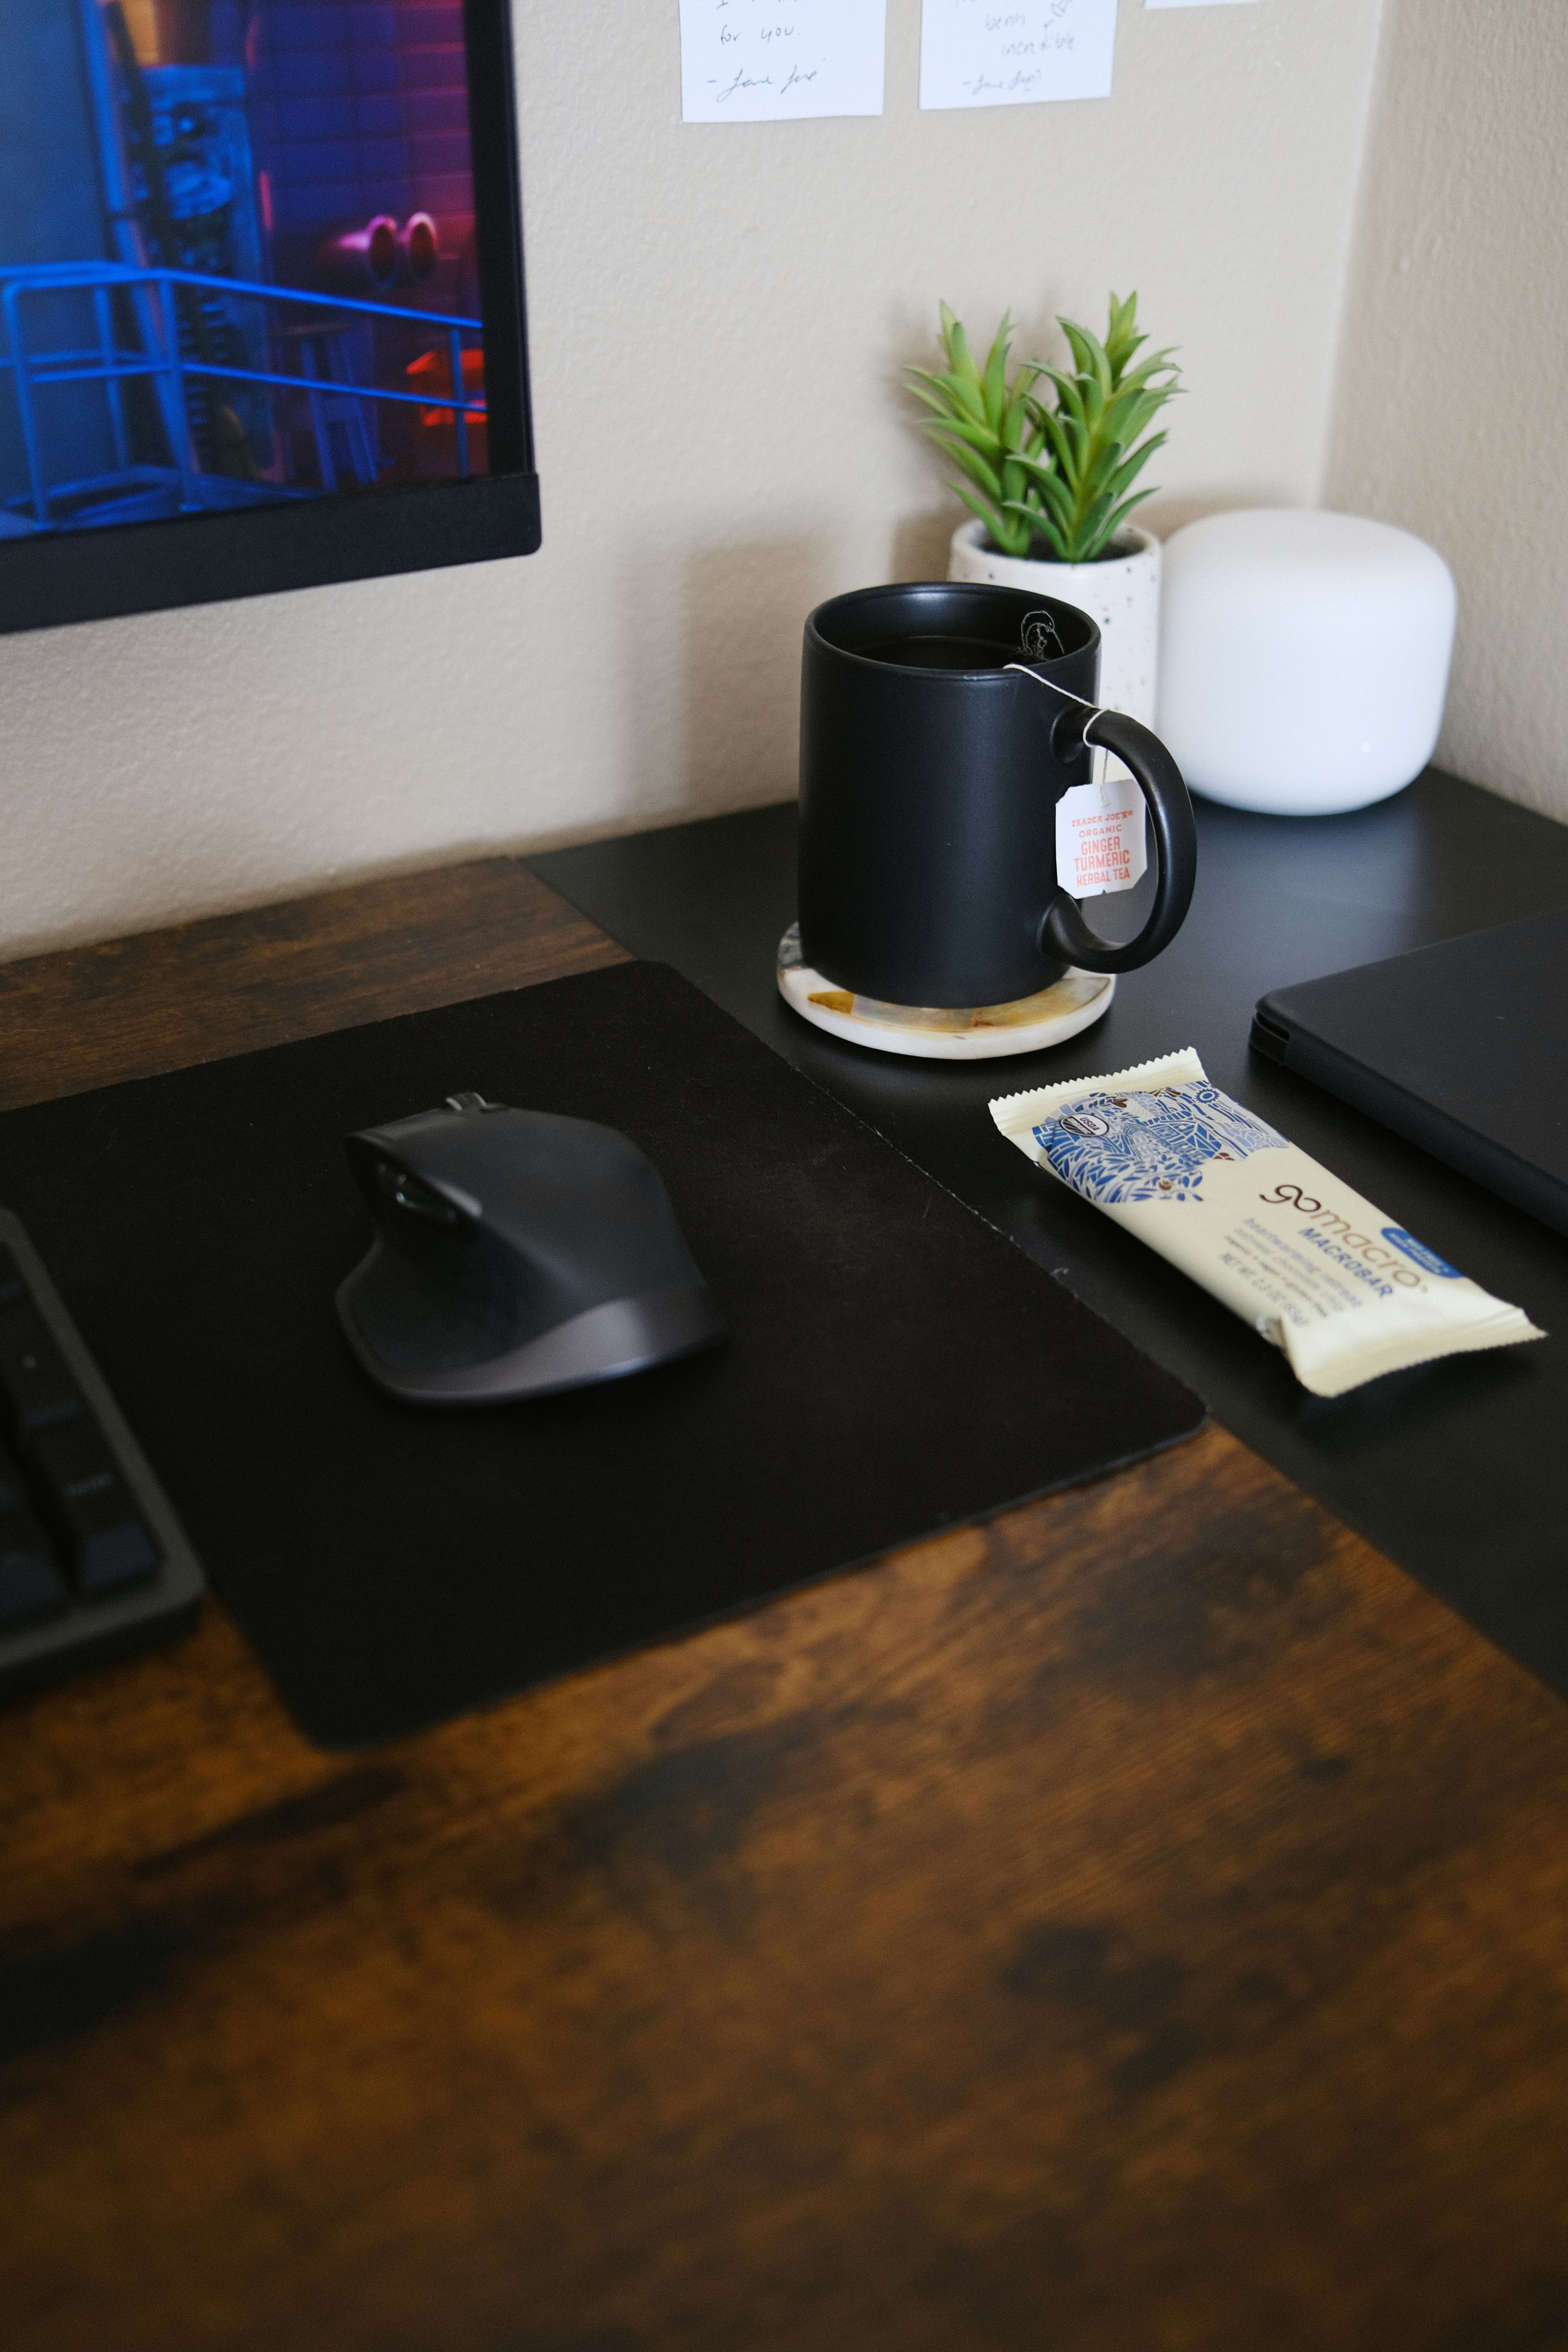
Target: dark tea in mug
[941,652]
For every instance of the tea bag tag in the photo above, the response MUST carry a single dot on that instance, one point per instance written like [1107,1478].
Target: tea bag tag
[1100,838]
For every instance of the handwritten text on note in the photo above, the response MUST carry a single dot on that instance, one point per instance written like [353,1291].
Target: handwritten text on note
[769,60]
[1015,52]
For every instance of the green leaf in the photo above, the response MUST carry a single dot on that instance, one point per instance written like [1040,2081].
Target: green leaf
[1041,529]
[937,384]
[981,475]
[994,388]
[1146,380]
[1155,364]
[1128,473]
[1011,536]
[1133,416]
[1054,498]
[1115,520]
[984,508]
[1018,421]
[1089,358]
[937,401]
[1064,434]
[965,396]
[976,435]
[1121,338]
[959,398]
[1038,469]
[1072,405]
[1082,345]
[959,361]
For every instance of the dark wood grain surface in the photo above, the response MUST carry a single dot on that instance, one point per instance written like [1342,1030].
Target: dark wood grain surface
[161,1000]
[1139,1923]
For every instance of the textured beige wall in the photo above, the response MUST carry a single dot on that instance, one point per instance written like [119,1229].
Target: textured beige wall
[718,318]
[1450,415]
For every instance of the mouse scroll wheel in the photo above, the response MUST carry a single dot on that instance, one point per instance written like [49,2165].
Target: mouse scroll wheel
[416,1200]
[467,1102]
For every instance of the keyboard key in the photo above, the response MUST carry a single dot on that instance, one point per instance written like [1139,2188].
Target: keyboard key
[31,1584]
[93,1513]
[35,1385]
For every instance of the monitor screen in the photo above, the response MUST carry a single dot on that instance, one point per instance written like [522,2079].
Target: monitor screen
[260,297]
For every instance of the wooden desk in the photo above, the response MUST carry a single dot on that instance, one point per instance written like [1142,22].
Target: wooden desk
[1141,1923]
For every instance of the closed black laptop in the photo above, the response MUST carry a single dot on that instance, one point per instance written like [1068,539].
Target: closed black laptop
[1462,1047]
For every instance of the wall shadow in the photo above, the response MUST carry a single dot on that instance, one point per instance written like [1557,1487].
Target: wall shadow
[921,544]
[1162,514]
[745,607]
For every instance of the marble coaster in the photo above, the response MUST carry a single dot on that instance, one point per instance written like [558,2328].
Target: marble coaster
[935,1033]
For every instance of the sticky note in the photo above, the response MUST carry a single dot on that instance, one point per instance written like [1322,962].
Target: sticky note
[991,53]
[780,60]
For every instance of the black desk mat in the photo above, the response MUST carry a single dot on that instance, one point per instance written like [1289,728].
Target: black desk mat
[1453,1468]
[896,1366]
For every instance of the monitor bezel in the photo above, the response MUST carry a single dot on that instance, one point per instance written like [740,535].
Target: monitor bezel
[100,574]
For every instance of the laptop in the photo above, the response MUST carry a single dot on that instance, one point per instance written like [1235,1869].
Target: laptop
[1461,1048]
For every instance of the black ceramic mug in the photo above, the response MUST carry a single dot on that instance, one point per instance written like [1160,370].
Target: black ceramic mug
[929,772]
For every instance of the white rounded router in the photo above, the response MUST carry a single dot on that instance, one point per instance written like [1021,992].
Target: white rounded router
[1303,658]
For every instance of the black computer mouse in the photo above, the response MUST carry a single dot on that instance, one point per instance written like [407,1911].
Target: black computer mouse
[517,1253]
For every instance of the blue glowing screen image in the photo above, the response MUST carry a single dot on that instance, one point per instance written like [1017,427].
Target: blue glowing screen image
[237,260]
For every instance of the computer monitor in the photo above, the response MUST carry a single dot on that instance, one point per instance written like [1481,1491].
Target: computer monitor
[262,304]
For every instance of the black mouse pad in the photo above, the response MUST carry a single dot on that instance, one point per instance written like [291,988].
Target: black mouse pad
[896,1366]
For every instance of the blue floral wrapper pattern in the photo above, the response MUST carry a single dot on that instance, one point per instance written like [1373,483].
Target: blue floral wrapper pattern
[1345,1293]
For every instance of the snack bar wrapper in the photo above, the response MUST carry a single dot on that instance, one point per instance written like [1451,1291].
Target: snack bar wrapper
[1313,1267]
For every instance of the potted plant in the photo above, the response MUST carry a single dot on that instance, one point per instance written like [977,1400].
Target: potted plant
[1050,482]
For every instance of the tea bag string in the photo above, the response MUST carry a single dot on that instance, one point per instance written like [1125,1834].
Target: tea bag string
[1095,709]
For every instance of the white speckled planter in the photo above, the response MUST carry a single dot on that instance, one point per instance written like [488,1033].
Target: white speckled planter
[1121,594]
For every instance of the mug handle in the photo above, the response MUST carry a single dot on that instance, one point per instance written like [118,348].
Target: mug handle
[1064,934]
[1065,937]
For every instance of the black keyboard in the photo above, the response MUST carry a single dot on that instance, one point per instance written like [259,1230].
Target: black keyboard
[93,1563]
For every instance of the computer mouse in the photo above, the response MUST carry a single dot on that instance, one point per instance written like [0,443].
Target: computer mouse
[517,1253]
